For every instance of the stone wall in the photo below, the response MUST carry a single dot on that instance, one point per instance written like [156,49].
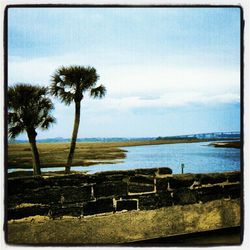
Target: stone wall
[141,189]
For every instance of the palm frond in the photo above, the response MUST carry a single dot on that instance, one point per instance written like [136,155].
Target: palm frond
[24,94]
[98,92]
[45,104]
[89,78]
[15,130]
[59,90]
[28,106]
[13,117]
[69,83]
[47,122]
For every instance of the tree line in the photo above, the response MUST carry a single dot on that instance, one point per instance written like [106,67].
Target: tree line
[29,106]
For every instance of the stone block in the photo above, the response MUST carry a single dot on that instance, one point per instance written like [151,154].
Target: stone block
[133,188]
[107,189]
[162,184]
[181,181]
[205,194]
[146,171]
[184,196]
[141,179]
[233,191]
[148,202]
[99,206]
[64,210]
[164,171]
[76,194]
[165,199]
[47,195]
[101,177]
[44,195]
[69,180]
[18,185]
[154,201]
[213,178]
[126,205]
[22,212]
[234,177]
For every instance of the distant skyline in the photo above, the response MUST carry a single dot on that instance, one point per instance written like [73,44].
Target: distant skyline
[168,71]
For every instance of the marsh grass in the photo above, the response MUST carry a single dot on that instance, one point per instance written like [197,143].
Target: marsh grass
[55,155]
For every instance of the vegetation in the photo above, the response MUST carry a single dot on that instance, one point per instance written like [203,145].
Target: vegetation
[69,84]
[231,144]
[29,109]
[53,154]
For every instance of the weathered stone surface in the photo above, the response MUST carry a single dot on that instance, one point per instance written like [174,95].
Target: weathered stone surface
[16,185]
[213,178]
[59,211]
[181,181]
[141,179]
[205,194]
[104,174]
[153,188]
[185,196]
[154,201]
[146,171]
[44,195]
[67,180]
[162,184]
[165,170]
[98,206]
[233,191]
[133,188]
[126,205]
[114,189]
[76,194]
[101,177]
[48,195]
[165,199]
[234,177]
[18,213]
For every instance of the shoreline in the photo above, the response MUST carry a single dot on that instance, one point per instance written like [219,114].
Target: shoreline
[230,144]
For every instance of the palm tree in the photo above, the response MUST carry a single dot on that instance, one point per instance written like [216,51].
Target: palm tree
[29,109]
[69,84]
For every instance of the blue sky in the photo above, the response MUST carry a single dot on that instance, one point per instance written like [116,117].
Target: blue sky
[168,71]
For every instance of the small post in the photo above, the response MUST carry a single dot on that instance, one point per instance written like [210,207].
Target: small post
[182,168]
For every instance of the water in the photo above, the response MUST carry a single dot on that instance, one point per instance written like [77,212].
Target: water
[197,158]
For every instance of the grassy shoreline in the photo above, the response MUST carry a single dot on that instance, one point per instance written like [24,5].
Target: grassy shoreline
[231,144]
[86,154]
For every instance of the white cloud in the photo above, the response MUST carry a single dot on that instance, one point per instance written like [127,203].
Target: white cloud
[167,100]
[144,85]
[145,79]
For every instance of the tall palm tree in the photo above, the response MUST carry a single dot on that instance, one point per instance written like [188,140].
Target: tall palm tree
[69,84]
[29,109]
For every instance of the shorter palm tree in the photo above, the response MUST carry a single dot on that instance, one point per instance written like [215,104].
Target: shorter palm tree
[28,109]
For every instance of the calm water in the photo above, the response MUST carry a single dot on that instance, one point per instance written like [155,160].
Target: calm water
[197,158]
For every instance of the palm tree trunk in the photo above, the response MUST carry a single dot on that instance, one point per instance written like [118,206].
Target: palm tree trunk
[74,136]
[35,155]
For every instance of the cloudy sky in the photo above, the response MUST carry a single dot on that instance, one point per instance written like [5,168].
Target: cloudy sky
[168,71]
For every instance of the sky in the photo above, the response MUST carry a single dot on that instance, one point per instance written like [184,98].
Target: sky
[168,71]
